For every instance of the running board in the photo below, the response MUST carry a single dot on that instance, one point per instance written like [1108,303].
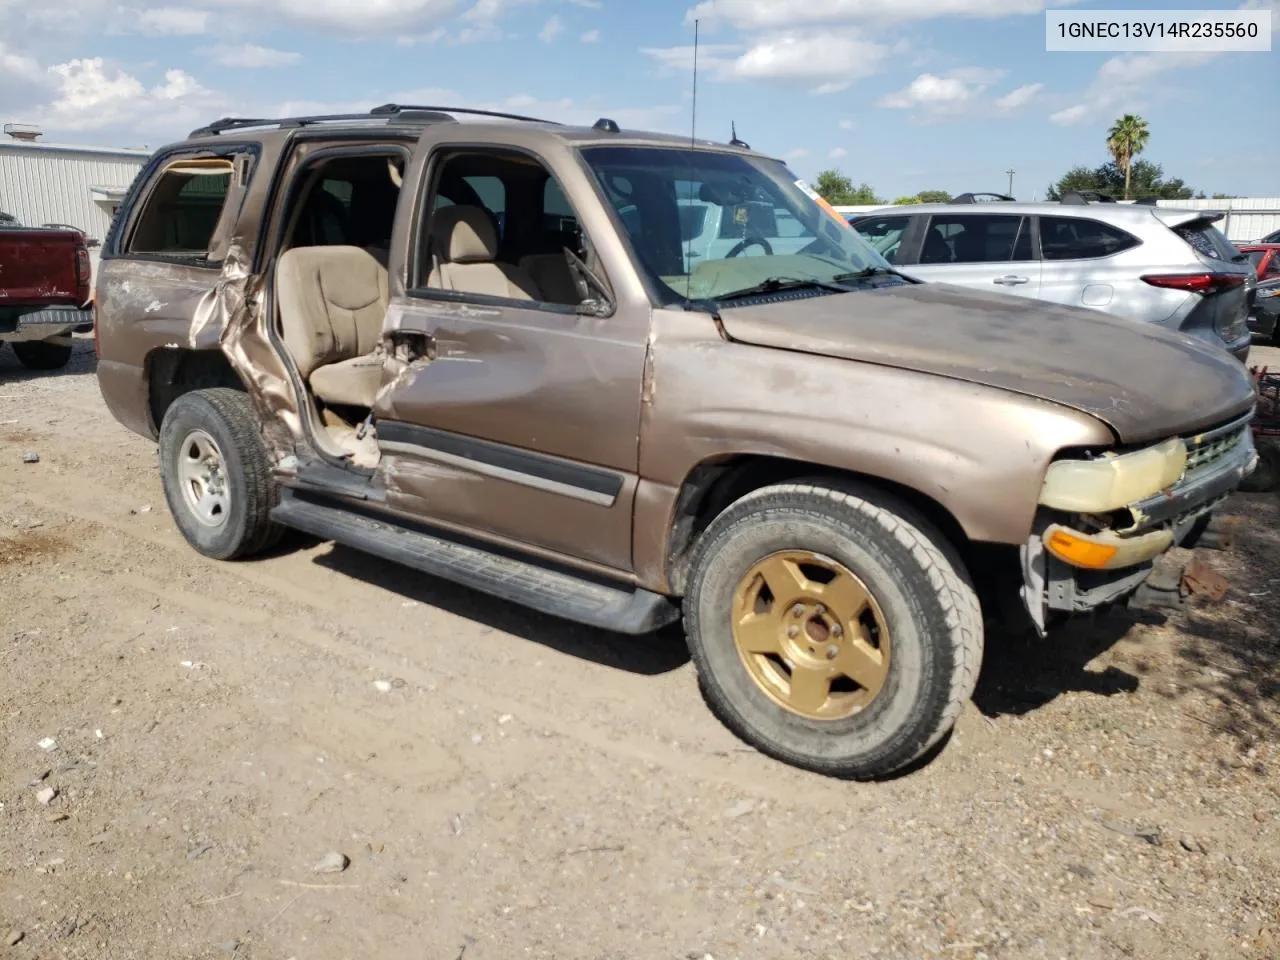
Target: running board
[560,594]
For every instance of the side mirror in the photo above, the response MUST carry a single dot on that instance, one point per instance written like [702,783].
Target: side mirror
[595,308]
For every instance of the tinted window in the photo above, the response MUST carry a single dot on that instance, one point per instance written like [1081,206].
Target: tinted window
[182,210]
[1074,238]
[974,238]
[1256,257]
[884,234]
[1273,265]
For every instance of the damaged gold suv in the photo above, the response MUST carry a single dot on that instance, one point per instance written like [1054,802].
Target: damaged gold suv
[622,378]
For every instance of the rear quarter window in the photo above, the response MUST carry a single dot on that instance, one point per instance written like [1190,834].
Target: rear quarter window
[182,210]
[1207,240]
[1078,238]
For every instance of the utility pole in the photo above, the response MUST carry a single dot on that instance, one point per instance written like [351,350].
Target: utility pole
[1010,173]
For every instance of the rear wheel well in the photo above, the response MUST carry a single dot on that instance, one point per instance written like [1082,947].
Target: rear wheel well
[711,487]
[172,371]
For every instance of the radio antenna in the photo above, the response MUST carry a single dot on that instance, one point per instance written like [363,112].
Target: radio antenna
[693,143]
[693,131]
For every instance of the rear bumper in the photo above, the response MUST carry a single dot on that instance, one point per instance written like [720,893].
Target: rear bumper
[48,324]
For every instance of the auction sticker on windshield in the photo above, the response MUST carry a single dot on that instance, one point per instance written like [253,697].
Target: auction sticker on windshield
[816,197]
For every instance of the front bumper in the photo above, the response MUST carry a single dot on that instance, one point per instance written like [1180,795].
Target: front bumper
[1218,461]
[52,323]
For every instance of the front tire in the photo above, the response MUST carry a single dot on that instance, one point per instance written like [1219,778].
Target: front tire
[217,474]
[39,355]
[832,627]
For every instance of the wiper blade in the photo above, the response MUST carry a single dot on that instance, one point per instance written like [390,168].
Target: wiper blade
[776,284]
[866,274]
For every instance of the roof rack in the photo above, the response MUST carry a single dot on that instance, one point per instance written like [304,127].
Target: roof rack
[973,198]
[1148,202]
[389,112]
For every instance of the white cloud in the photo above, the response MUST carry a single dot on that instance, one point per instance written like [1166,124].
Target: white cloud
[829,60]
[931,92]
[591,36]
[798,154]
[551,29]
[89,95]
[838,153]
[587,4]
[1070,115]
[1019,97]
[846,124]
[250,56]
[771,14]
[172,21]
[18,66]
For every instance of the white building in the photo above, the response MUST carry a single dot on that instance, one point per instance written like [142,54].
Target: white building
[77,186]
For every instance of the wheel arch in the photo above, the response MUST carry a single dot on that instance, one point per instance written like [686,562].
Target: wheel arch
[173,371]
[712,485]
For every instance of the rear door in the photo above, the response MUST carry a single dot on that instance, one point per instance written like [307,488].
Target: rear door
[987,251]
[1085,266]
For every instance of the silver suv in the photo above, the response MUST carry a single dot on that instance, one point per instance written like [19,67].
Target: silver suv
[1156,264]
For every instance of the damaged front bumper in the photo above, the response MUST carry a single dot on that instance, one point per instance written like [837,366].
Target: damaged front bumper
[1078,561]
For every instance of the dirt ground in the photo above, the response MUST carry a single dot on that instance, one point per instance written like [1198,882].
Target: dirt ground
[506,785]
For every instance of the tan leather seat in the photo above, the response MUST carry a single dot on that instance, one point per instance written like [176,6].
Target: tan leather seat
[332,303]
[550,271]
[464,250]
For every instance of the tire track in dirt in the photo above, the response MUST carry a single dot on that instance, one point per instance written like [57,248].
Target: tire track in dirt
[337,600]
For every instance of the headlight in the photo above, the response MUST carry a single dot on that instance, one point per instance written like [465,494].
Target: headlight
[1113,481]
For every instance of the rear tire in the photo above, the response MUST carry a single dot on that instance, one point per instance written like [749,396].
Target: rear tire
[38,355]
[916,645]
[217,474]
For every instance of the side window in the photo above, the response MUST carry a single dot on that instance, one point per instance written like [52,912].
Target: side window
[183,209]
[884,234]
[1076,238]
[975,238]
[1273,268]
[503,234]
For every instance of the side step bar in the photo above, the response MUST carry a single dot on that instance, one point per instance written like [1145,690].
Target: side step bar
[560,594]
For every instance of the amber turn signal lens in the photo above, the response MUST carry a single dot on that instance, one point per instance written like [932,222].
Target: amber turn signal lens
[1079,552]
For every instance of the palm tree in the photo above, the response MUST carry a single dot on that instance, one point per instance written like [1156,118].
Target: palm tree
[1127,139]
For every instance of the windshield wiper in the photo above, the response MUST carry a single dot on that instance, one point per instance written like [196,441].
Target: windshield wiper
[867,273]
[776,284]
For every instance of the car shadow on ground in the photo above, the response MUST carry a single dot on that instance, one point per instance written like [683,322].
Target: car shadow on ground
[83,362]
[648,655]
[1022,673]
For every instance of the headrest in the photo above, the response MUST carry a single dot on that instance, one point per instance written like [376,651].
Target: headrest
[463,234]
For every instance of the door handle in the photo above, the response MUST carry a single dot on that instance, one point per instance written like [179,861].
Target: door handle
[1011,281]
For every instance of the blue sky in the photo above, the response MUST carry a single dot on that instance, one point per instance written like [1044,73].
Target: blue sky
[903,94]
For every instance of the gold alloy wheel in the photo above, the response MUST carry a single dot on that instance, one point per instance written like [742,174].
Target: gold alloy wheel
[811,635]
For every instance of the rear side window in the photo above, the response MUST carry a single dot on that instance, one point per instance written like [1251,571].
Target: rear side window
[1273,266]
[976,238]
[1075,238]
[1207,240]
[183,209]
[884,234]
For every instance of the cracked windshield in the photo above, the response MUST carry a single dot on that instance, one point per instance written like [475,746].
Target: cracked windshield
[710,226]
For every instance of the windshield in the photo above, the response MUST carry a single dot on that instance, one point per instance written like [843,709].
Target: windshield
[707,225]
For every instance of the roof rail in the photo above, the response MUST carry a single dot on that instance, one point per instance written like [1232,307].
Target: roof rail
[397,109]
[973,198]
[388,112]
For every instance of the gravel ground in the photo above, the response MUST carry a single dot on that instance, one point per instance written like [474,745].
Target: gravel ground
[184,742]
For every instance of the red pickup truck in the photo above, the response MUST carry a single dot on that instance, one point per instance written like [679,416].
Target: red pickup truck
[44,291]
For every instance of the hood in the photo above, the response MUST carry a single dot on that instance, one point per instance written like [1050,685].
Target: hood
[1145,382]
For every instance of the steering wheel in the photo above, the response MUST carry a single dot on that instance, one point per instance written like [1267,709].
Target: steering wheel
[755,240]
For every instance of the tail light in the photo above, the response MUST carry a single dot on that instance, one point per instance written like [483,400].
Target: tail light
[1205,283]
[84,273]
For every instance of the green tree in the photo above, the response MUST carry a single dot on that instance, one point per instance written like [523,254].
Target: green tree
[925,196]
[838,190]
[1126,139]
[1146,180]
